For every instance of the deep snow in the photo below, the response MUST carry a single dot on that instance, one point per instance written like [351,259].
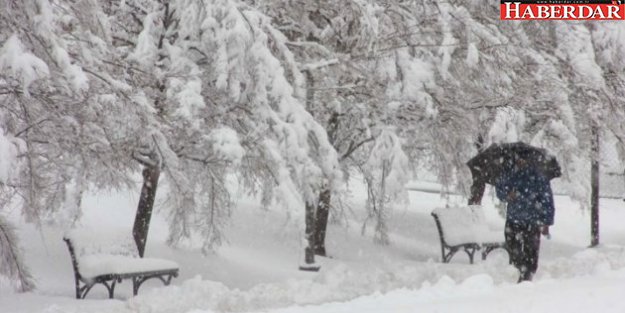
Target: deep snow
[256,270]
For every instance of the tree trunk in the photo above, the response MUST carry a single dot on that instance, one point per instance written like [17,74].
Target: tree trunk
[310,208]
[145,207]
[321,222]
[309,255]
[594,188]
[310,224]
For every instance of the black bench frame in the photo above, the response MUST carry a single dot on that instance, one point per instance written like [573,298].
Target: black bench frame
[448,251]
[110,280]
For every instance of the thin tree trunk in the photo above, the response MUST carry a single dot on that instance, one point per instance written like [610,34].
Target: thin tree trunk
[381,227]
[309,255]
[141,226]
[594,188]
[321,222]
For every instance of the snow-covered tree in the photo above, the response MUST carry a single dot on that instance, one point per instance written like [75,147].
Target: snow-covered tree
[385,175]
[52,104]
[216,74]
[282,93]
[323,36]
[11,260]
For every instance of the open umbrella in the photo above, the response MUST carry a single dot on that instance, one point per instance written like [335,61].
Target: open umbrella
[489,165]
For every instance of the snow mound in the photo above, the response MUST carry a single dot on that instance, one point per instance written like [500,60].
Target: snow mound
[588,262]
[334,283]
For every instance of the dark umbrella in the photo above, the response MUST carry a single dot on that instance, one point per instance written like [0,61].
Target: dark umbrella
[498,159]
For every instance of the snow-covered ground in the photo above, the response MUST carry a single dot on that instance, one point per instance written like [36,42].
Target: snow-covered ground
[256,271]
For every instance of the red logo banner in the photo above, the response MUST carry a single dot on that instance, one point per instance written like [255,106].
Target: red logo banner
[562,10]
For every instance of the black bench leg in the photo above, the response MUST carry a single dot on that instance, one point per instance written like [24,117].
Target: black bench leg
[135,285]
[168,281]
[112,289]
[84,290]
[138,280]
[447,256]
[81,292]
[470,252]
[488,250]
[77,289]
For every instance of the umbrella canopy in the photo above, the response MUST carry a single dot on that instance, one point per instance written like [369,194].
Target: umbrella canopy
[499,159]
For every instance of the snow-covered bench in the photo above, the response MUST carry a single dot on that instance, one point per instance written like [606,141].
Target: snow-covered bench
[465,228]
[108,258]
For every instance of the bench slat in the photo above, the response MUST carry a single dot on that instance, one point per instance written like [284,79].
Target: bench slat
[100,264]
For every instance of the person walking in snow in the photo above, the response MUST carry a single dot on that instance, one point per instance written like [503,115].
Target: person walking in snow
[530,212]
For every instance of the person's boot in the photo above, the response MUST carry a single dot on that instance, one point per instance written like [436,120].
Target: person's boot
[525,276]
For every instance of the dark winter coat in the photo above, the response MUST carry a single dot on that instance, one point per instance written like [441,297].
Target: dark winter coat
[528,194]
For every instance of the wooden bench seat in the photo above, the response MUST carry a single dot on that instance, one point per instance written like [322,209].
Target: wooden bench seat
[464,228]
[108,259]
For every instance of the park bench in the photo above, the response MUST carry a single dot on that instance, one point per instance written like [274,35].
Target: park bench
[108,258]
[464,228]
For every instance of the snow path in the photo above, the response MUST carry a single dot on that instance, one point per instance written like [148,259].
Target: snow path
[478,294]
